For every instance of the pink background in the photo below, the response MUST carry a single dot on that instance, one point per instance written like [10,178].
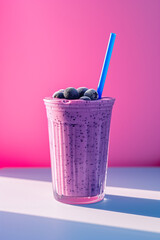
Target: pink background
[46,45]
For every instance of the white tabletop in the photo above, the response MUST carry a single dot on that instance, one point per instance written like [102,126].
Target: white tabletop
[130,210]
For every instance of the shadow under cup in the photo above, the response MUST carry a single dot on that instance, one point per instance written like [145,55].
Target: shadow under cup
[79,137]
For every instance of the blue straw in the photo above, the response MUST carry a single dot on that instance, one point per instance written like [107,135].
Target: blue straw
[106,64]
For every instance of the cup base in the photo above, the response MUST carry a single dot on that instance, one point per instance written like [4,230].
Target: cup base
[78,200]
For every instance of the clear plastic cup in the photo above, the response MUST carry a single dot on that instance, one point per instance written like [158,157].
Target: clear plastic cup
[79,139]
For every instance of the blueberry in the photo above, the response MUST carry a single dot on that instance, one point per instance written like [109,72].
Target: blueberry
[85,98]
[71,93]
[81,91]
[58,95]
[61,90]
[92,94]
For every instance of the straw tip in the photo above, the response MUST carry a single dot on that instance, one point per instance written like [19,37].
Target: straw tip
[113,34]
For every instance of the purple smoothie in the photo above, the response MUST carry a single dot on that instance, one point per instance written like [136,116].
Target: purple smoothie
[79,137]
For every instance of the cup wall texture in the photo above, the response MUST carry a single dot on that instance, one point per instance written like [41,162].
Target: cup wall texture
[79,139]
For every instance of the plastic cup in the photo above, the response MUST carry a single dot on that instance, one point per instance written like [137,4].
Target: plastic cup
[79,139]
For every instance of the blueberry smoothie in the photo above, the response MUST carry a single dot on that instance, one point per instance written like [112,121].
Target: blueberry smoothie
[79,135]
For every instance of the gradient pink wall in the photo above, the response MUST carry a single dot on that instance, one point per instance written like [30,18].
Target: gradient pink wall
[47,45]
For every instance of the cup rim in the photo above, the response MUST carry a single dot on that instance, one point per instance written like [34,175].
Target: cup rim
[72,102]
